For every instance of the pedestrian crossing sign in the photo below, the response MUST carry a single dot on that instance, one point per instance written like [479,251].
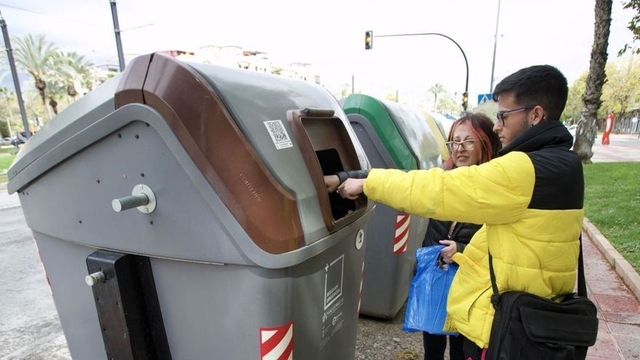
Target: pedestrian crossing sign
[482,98]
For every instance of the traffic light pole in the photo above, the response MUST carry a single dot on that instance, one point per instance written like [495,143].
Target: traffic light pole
[466,84]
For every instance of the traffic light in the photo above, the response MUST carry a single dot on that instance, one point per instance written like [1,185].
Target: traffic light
[368,40]
[465,100]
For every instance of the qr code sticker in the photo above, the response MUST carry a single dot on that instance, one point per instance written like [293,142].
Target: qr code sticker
[278,134]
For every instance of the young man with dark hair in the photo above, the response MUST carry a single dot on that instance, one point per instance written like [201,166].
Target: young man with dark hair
[529,199]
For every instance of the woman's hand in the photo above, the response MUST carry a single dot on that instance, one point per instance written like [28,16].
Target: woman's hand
[351,188]
[331,182]
[450,249]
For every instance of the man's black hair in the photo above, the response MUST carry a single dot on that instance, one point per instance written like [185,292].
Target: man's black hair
[542,85]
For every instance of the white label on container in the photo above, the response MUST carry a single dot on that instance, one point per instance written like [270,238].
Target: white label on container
[278,134]
[332,318]
[333,277]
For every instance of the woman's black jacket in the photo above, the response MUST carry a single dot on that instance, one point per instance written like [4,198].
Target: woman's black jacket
[438,230]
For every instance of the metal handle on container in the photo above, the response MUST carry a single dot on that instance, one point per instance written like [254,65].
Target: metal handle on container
[129,202]
[95,278]
[142,198]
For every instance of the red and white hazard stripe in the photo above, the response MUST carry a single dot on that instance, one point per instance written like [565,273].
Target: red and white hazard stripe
[401,237]
[276,343]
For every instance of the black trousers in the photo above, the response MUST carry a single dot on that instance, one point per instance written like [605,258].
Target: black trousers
[435,345]
[472,351]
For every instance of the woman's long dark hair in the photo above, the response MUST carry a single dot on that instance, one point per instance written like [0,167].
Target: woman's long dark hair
[482,131]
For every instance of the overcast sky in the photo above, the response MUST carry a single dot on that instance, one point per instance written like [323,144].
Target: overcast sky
[330,35]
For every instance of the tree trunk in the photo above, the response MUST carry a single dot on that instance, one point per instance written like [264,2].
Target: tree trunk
[54,105]
[586,130]
[71,90]
[41,85]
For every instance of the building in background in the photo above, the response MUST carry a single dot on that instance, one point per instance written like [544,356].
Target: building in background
[230,56]
[237,57]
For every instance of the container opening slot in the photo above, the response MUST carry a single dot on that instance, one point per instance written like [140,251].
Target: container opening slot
[330,164]
[327,148]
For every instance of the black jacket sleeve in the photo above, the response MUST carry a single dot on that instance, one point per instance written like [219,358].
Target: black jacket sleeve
[438,230]
[355,174]
[462,234]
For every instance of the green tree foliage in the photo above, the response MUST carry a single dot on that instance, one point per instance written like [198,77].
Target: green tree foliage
[57,75]
[81,74]
[622,90]
[448,105]
[10,112]
[620,93]
[57,79]
[35,55]
[6,111]
[634,26]
[4,65]
[572,110]
[436,90]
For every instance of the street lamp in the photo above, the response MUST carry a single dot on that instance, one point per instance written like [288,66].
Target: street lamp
[117,31]
[14,74]
[466,84]
[495,45]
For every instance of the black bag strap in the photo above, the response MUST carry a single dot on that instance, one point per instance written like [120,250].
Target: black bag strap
[582,283]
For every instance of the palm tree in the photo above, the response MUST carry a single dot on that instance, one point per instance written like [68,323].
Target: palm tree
[35,55]
[4,65]
[436,90]
[76,69]
[8,95]
[591,99]
[61,81]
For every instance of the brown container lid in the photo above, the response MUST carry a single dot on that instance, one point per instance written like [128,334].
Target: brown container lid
[207,131]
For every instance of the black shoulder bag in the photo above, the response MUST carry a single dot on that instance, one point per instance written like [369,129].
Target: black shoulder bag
[527,326]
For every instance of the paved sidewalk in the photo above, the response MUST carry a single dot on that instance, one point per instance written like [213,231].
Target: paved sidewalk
[6,200]
[623,147]
[614,286]
[612,283]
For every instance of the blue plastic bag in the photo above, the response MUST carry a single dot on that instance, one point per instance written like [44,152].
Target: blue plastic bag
[427,303]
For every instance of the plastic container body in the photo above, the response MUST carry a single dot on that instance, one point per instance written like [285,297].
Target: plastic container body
[398,137]
[191,198]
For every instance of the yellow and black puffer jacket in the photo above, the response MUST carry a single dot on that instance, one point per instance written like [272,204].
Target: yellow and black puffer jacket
[530,201]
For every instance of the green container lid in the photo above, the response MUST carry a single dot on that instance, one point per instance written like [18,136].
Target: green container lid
[372,109]
[405,132]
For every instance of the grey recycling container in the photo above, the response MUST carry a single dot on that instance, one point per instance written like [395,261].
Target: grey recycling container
[394,136]
[180,213]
